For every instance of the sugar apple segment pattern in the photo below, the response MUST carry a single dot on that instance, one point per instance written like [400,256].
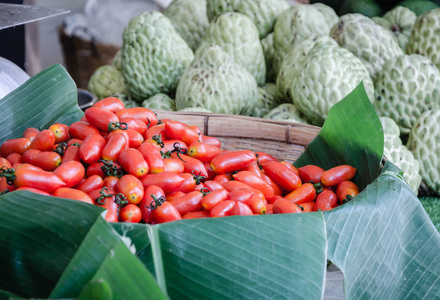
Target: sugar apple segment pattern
[238,36]
[190,20]
[423,142]
[106,81]
[154,56]
[425,36]
[369,41]
[407,86]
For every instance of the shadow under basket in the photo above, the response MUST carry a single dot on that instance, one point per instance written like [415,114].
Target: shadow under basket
[282,139]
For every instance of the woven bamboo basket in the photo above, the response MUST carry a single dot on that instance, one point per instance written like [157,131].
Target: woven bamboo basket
[284,140]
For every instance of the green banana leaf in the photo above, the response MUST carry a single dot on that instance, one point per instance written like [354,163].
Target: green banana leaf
[48,97]
[383,240]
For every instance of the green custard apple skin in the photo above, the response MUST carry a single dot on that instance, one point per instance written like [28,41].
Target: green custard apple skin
[295,58]
[370,42]
[265,103]
[269,57]
[154,56]
[189,18]
[263,12]
[117,61]
[106,81]
[423,142]
[238,36]
[425,37]
[214,82]
[407,86]
[326,76]
[286,112]
[160,101]
[399,155]
[400,21]
[298,22]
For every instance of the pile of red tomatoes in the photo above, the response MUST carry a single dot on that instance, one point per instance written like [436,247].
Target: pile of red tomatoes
[141,169]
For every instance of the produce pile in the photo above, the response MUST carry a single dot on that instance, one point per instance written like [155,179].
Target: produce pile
[140,168]
[293,63]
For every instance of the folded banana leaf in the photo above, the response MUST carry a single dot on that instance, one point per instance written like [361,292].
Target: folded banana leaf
[382,240]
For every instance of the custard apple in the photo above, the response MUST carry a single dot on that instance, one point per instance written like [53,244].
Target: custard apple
[106,81]
[295,58]
[399,155]
[117,60]
[407,86]
[160,101]
[298,22]
[126,99]
[369,41]
[327,74]
[425,37]
[400,21]
[154,55]
[423,142]
[214,82]
[238,36]
[189,18]
[286,112]
[263,12]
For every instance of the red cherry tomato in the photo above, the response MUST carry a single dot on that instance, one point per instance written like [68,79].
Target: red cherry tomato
[310,173]
[305,193]
[282,175]
[81,129]
[156,130]
[212,185]
[254,168]
[60,131]
[258,205]
[71,153]
[71,173]
[73,194]
[130,213]
[90,150]
[223,209]
[255,182]
[203,151]
[91,183]
[47,160]
[213,198]
[173,165]
[191,165]
[106,199]
[131,187]
[346,191]
[326,200]
[14,158]
[112,104]
[111,182]
[291,167]
[168,182]
[243,195]
[115,144]
[181,131]
[153,157]
[139,113]
[95,169]
[263,157]
[241,209]
[169,145]
[133,162]
[33,190]
[196,215]
[210,140]
[135,139]
[307,207]
[336,175]
[175,195]
[189,202]
[43,141]
[30,133]
[101,119]
[19,145]
[39,179]
[232,161]
[135,124]
[283,206]
[148,202]
[165,212]
[4,163]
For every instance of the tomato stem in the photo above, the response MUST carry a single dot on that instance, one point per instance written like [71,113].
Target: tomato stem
[117,125]
[8,173]
[104,194]
[110,168]
[61,148]
[205,191]
[158,140]
[197,177]
[156,202]
[317,186]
